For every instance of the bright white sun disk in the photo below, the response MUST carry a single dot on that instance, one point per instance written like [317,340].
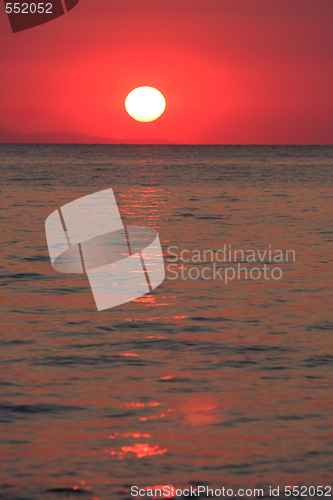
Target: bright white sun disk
[145,104]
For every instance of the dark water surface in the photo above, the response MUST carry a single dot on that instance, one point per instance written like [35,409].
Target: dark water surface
[225,384]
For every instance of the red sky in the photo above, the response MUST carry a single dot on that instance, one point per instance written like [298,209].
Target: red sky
[232,71]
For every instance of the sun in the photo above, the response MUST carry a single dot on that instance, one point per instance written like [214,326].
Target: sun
[145,104]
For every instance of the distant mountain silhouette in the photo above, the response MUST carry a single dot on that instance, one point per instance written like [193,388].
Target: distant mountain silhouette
[10,137]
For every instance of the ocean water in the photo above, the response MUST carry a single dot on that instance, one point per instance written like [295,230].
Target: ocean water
[202,381]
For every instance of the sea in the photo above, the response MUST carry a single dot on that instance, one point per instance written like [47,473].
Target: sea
[219,378]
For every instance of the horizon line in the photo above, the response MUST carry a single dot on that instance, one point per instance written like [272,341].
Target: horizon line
[170,143]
